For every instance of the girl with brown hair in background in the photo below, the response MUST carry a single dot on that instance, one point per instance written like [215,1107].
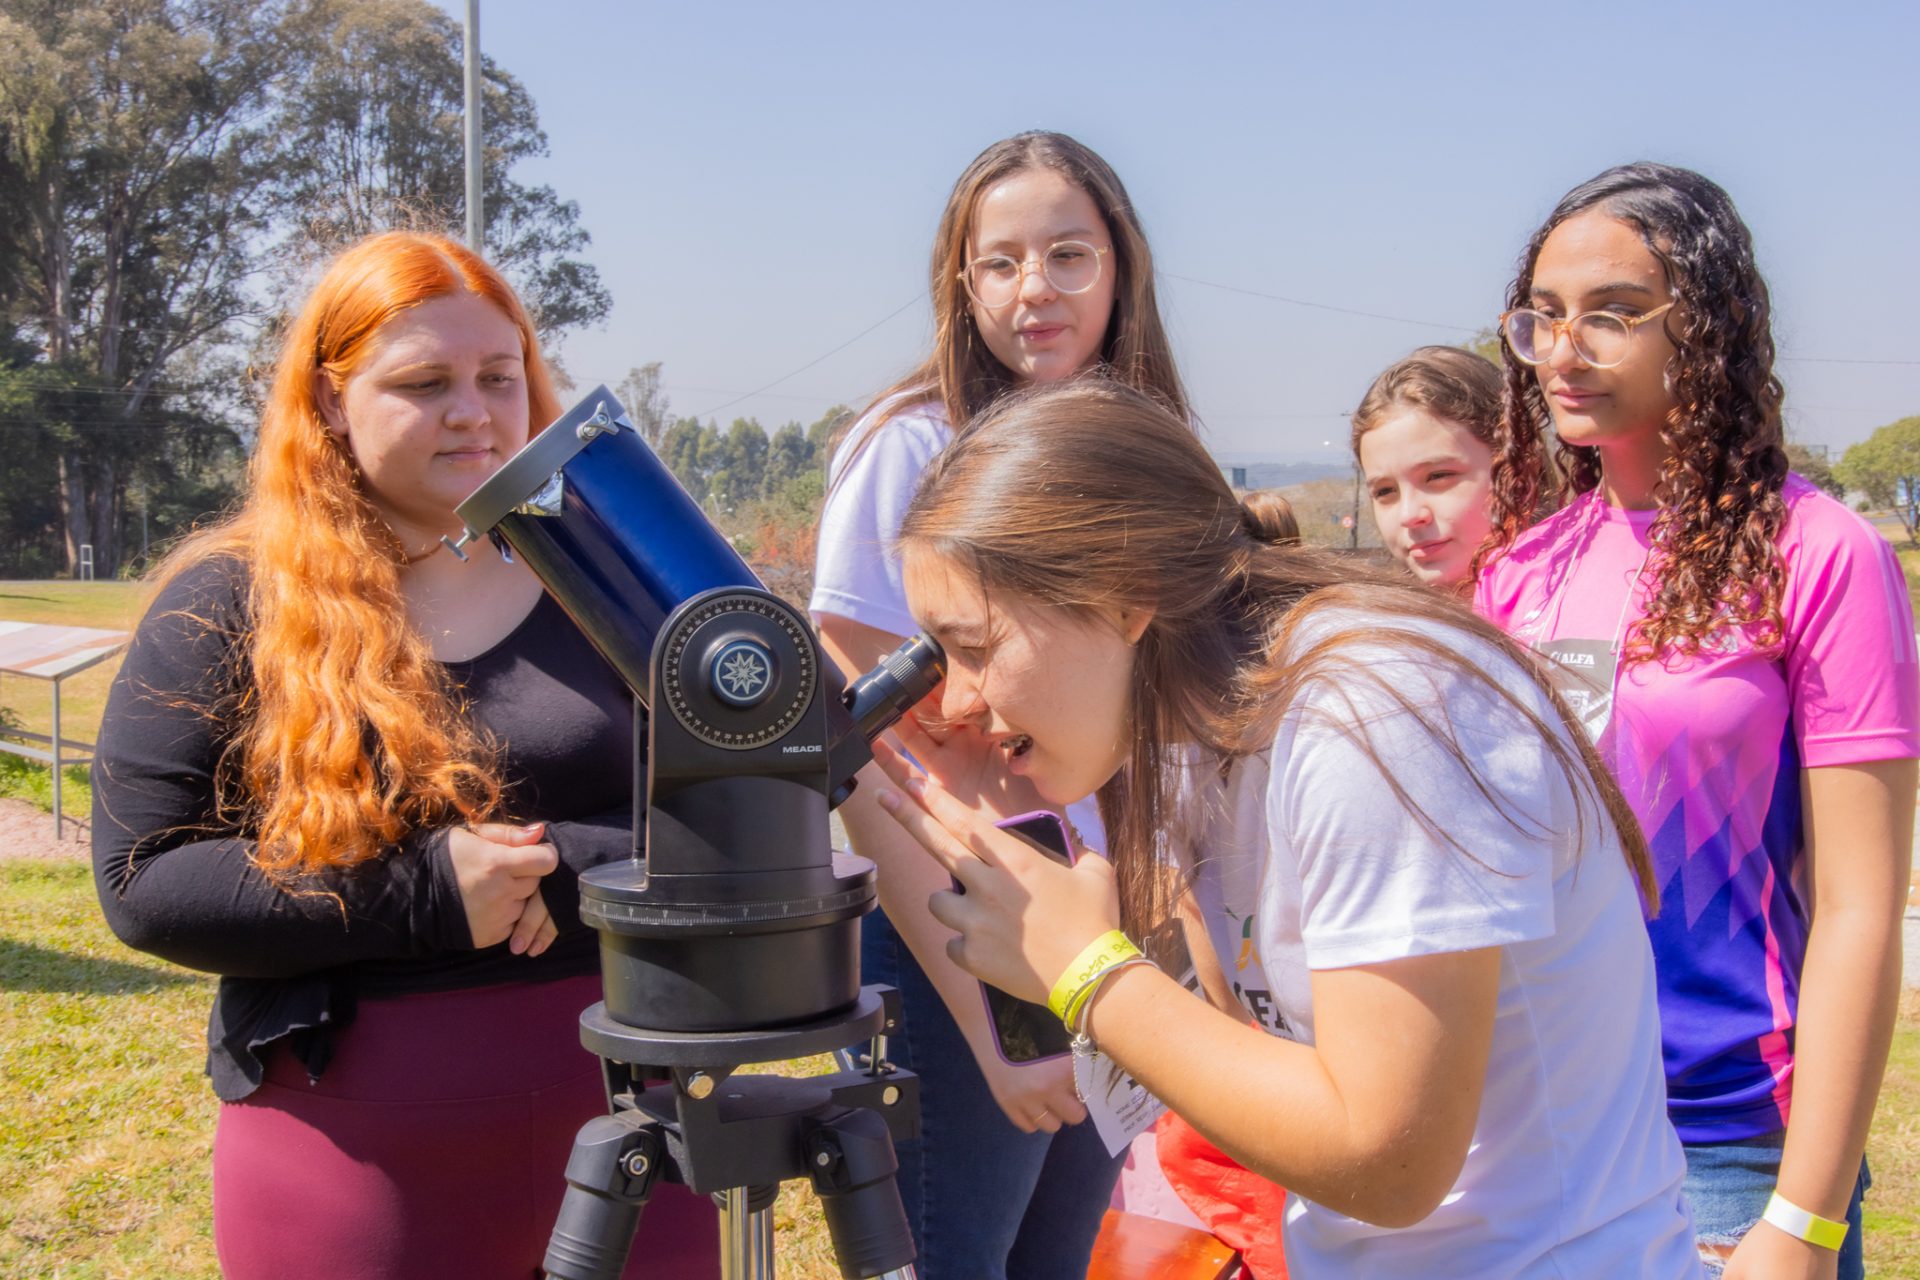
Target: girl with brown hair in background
[1041,273]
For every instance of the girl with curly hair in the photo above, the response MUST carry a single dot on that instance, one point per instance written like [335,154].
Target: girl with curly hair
[358,778]
[1741,648]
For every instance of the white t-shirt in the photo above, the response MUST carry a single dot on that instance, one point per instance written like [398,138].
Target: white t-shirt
[856,572]
[1307,860]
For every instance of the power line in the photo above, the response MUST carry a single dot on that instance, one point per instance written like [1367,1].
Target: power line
[1461,328]
[816,360]
[1837,360]
[1326,306]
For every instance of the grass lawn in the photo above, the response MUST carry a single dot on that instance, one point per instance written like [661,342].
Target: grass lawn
[28,704]
[1910,562]
[106,1122]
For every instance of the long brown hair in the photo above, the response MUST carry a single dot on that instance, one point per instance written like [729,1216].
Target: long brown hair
[960,373]
[1091,497]
[347,736]
[1719,491]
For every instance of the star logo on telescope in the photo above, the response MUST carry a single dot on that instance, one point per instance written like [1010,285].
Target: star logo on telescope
[743,674]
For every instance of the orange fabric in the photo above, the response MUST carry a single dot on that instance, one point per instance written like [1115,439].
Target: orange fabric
[1241,1208]
[1132,1246]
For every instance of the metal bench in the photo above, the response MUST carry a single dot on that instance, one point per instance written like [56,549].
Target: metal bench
[50,652]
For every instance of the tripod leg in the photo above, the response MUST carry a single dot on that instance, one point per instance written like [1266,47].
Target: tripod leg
[609,1177]
[746,1233]
[851,1162]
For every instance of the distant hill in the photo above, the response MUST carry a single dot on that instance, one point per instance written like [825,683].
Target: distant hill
[1281,475]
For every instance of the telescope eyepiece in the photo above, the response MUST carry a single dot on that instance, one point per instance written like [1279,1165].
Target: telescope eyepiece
[879,698]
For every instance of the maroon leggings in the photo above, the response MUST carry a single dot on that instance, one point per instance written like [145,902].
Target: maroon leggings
[434,1146]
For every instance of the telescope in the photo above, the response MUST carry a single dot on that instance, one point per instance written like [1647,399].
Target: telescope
[731,937]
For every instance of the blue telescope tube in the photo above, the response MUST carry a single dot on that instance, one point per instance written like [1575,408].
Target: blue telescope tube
[605,525]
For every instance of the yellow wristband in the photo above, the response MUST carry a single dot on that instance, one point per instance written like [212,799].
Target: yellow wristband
[1802,1225]
[1108,949]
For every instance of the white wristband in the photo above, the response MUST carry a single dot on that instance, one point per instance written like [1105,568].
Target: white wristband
[1802,1225]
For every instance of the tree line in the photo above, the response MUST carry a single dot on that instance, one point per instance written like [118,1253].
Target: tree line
[762,489]
[170,173]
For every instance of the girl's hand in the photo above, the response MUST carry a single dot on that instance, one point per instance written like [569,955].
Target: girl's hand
[1037,1096]
[1768,1253]
[968,767]
[498,868]
[1023,917]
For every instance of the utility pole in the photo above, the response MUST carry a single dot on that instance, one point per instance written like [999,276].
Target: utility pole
[476,223]
[1353,521]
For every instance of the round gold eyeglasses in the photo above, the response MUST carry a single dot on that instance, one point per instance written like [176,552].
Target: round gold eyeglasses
[1599,338]
[1070,266]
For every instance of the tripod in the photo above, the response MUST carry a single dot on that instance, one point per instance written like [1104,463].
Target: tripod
[739,1137]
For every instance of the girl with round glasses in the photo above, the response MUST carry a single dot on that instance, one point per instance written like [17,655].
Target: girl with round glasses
[1040,273]
[1439,1030]
[1741,648]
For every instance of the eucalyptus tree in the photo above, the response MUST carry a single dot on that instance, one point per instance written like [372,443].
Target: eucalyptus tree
[138,171]
[373,130]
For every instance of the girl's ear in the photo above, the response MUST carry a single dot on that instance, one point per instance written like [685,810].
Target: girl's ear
[327,399]
[1133,623]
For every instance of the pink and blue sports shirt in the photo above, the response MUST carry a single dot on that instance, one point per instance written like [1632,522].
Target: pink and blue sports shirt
[1709,749]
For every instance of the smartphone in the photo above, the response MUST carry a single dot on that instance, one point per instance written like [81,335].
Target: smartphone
[1026,1032]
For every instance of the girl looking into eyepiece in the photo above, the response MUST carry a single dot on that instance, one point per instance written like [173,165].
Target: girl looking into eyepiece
[1742,646]
[1041,273]
[1423,439]
[1422,887]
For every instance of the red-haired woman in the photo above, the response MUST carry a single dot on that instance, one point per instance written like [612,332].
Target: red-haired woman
[1741,648]
[357,777]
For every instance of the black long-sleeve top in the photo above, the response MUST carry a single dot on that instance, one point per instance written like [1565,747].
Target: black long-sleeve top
[177,880]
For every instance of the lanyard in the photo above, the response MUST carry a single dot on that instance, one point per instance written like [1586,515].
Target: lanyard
[1591,696]
[1557,591]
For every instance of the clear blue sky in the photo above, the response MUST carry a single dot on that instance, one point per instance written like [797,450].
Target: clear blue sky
[762,180]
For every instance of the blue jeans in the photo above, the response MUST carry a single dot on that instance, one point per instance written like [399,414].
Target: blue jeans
[1728,1184]
[986,1201]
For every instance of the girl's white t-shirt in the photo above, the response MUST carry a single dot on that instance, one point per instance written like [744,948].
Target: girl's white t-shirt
[1307,860]
[856,573]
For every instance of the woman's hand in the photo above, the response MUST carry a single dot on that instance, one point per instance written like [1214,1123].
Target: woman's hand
[498,868]
[535,930]
[1038,1097]
[1023,918]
